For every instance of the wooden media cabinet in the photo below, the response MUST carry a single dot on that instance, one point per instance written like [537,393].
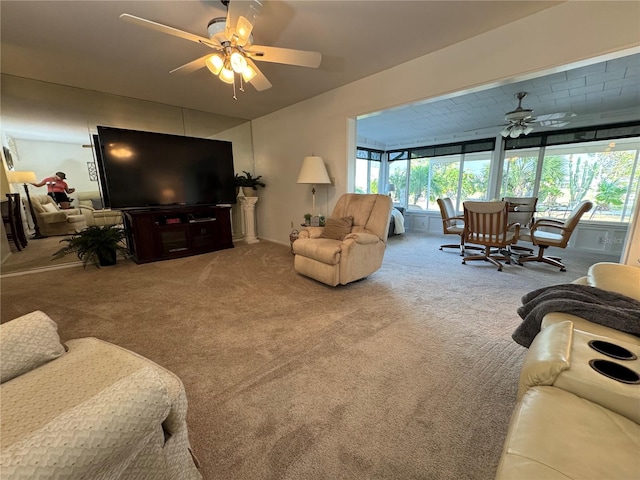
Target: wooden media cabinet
[162,233]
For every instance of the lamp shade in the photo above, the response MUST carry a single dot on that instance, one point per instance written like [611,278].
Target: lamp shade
[313,171]
[21,177]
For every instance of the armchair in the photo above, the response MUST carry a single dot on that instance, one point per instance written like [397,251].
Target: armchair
[54,221]
[550,232]
[351,245]
[486,223]
[91,206]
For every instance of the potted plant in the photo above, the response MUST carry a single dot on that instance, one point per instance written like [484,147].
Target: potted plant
[249,184]
[96,244]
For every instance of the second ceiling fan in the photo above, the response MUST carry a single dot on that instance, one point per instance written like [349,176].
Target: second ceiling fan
[232,39]
[522,122]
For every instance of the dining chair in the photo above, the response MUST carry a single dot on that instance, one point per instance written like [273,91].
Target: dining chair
[487,224]
[551,232]
[522,211]
[452,224]
[12,218]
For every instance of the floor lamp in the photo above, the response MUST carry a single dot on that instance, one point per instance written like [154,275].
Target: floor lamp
[25,178]
[313,172]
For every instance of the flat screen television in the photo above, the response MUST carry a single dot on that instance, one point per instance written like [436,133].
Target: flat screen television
[145,169]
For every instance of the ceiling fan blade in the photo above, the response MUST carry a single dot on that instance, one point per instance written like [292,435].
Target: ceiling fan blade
[259,82]
[192,66]
[288,56]
[141,22]
[554,116]
[241,17]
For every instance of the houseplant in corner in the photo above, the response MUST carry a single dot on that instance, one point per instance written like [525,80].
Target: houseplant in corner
[249,184]
[96,244]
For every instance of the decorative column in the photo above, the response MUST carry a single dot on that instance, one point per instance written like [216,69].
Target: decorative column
[237,223]
[249,211]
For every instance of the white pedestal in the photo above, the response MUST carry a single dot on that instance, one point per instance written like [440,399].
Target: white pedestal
[249,210]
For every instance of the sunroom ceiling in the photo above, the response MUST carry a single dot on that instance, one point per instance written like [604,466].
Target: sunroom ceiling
[600,93]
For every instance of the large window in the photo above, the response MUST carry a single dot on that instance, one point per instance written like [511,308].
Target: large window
[459,171]
[604,172]
[561,168]
[368,171]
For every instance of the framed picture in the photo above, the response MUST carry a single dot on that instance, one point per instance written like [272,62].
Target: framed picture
[8,158]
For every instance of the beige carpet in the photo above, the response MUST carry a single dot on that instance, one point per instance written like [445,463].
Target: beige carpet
[409,374]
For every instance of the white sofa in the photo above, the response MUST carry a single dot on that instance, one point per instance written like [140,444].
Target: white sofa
[572,422]
[87,409]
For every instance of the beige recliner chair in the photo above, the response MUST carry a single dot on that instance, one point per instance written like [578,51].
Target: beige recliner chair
[90,204]
[350,246]
[53,221]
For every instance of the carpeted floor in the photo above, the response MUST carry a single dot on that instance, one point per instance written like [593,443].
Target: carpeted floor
[408,374]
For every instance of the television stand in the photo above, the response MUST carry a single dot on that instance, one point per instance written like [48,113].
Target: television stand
[172,232]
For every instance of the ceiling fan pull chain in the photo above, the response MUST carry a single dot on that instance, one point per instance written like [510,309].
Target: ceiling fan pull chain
[241,85]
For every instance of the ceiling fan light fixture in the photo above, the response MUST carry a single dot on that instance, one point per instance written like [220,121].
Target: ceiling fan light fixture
[516,130]
[527,130]
[214,63]
[226,75]
[248,73]
[238,62]
[505,131]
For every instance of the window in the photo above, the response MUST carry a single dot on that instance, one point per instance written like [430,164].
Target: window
[398,169]
[560,167]
[605,172]
[368,170]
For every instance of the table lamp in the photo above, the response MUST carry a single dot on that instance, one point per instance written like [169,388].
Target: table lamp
[25,178]
[313,172]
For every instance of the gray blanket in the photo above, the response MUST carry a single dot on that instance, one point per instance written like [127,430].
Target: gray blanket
[596,305]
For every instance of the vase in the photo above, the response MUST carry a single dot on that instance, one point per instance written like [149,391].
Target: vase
[249,192]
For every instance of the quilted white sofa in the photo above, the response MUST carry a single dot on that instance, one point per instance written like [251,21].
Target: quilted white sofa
[572,421]
[87,409]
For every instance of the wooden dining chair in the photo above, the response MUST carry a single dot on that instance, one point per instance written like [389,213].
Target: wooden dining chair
[486,223]
[12,219]
[551,232]
[522,211]
[452,224]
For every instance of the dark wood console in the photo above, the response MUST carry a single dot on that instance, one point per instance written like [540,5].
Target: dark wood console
[162,233]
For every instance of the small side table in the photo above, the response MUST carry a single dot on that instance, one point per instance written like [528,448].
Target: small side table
[293,236]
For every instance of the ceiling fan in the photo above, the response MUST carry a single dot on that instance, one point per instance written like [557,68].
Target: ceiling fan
[232,39]
[522,122]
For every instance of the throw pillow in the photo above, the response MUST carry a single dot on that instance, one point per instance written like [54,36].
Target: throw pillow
[337,228]
[28,342]
[49,207]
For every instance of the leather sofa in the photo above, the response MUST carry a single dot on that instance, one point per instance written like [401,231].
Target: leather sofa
[578,410]
[87,409]
[54,221]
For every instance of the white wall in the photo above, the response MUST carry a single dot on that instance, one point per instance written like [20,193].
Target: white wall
[46,158]
[571,32]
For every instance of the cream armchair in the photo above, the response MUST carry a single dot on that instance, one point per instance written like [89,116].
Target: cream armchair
[102,218]
[90,204]
[351,245]
[54,221]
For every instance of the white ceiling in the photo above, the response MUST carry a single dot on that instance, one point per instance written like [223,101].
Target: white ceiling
[84,44]
[600,93]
